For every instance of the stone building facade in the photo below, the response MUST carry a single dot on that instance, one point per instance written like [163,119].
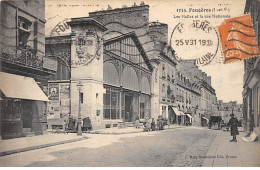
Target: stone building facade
[24,68]
[135,74]
[251,84]
[200,92]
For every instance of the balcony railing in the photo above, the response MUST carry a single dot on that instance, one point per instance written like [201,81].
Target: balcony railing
[27,57]
[24,57]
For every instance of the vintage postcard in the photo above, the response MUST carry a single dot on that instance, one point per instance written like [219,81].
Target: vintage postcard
[129,83]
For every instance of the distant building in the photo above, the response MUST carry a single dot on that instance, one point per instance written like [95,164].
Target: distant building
[200,92]
[24,68]
[251,85]
[225,109]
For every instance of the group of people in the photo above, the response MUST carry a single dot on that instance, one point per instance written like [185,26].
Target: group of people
[150,126]
[71,124]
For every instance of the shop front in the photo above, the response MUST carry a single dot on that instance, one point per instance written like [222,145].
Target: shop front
[23,107]
[125,105]
[127,81]
[180,116]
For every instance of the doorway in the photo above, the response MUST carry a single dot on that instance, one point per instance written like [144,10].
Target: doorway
[27,114]
[128,108]
[142,115]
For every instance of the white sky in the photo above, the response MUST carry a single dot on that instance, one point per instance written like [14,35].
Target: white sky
[227,79]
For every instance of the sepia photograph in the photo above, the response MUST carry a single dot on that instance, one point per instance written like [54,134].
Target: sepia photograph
[129,83]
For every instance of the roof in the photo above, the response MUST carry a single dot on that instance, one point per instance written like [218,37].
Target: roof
[20,87]
[87,20]
[154,24]
[137,43]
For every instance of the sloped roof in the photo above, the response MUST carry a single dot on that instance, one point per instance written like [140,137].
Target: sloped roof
[137,43]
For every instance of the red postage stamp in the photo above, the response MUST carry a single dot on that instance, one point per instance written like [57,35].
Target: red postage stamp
[238,39]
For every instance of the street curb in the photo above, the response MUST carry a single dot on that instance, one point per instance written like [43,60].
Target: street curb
[121,133]
[40,146]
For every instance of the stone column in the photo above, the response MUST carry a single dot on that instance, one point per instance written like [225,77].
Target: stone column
[87,68]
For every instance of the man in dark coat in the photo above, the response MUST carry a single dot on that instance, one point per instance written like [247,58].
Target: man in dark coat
[84,126]
[88,124]
[233,123]
[160,122]
[71,123]
[153,125]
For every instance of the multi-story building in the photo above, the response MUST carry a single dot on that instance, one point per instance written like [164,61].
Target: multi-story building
[137,72]
[203,96]
[117,81]
[24,68]
[251,85]
[167,72]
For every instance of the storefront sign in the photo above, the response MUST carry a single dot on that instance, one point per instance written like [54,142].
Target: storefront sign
[64,99]
[54,91]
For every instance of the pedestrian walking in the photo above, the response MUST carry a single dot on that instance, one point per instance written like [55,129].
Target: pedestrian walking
[160,122]
[137,122]
[88,124]
[66,125]
[233,123]
[147,127]
[71,123]
[84,126]
[153,125]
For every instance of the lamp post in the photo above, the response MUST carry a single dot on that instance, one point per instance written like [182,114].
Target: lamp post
[232,107]
[79,86]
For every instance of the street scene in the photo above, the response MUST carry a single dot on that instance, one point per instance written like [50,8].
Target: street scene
[185,147]
[129,84]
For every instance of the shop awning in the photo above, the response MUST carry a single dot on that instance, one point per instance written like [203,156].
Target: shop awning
[176,111]
[182,113]
[189,116]
[205,119]
[14,86]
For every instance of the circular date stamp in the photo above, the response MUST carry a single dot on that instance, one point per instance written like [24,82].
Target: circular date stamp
[197,40]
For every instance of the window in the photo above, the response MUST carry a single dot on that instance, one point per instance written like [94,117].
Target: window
[163,70]
[111,104]
[164,111]
[168,76]
[24,28]
[141,110]
[163,88]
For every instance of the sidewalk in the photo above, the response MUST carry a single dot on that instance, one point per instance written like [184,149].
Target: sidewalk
[223,153]
[16,145]
[23,144]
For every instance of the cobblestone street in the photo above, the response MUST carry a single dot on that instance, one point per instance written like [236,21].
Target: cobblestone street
[174,147]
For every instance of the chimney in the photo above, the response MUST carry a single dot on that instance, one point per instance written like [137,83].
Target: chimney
[128,17]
